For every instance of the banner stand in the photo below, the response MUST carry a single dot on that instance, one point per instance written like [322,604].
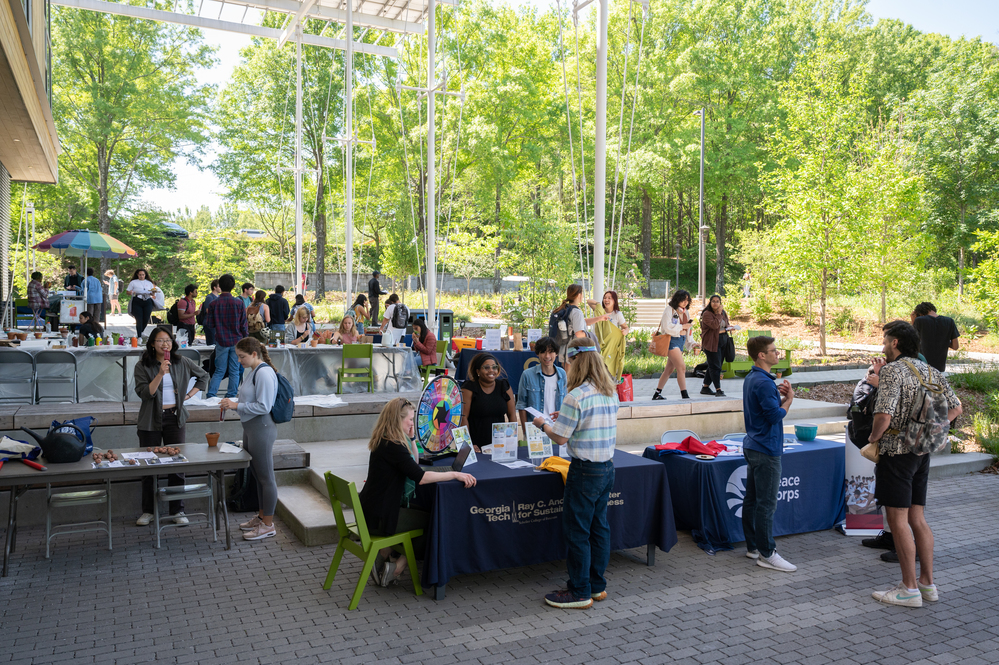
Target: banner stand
[863,518]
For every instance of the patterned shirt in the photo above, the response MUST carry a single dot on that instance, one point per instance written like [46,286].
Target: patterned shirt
[588,419]
[38,295]
[227,318]
[897,387]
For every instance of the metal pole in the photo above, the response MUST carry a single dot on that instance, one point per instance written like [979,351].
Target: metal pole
[348,92]
[678,264]
[701,286]
[600,153]
[298,159]
[34,238]
[431,194]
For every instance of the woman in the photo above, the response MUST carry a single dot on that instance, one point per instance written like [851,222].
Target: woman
[714,339]
[187,311]
[359,310]
[676,324]
[393,475]
[141,288]
[611,333]
[258,308]
[114,288]
[300,302]
[569,314]
[302,329]
[486,397]
[346,334]
[256,398]
[587,423]
[88,326]
[163,381]
[424,343]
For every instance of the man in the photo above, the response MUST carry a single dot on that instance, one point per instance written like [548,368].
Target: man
[936,334]
[542,386]
[72,281]
[209,299]
[395,313]
[38,299]
[187,311]
[95,295]
[279,309]
[247,295]
[901,475]
[764,406]
[374,290]
[227,317]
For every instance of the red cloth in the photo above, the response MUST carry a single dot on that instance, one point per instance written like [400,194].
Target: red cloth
[694,447]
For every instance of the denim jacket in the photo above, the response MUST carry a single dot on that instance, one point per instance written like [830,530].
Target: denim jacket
[531,391]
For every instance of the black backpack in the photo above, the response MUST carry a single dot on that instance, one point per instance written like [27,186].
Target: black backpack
[558,325]
[400,316]
[200,316]
[860,415]
[173,317]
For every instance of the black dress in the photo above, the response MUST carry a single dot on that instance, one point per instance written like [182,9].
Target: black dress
[389,465]
[486,409]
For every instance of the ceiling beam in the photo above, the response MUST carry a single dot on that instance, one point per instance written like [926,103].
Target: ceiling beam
[321,11]
[289,28]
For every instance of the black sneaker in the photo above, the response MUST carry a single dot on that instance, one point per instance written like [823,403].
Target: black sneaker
[891,556]
[707,391]
[883,541]
[719,393]
[566,600]
[657,396]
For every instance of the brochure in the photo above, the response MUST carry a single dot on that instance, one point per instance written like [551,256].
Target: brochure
[539,446]
[492,340]
[504,442]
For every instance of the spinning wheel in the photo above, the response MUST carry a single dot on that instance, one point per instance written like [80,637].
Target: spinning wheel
[438,412]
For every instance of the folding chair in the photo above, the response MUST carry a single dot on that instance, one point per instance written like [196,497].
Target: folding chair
[183,493]
[78,498]
[50,358]
[677,436]
[20,370]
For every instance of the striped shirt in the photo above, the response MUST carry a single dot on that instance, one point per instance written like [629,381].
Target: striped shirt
[588,419]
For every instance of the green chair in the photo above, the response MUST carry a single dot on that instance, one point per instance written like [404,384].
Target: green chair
[363,374]
[354,538]
[427,370]
[741,367]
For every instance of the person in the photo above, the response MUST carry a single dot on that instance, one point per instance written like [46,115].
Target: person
[542,386]
[359,311]
[388,492]
[227,317]
[256,399]
[72,281]
[764,406]
[576,323]
[141,288]
[587,425]
[900,474]
[247,294]
[95,294]
[611,333]
[300,302]
[89,326]
[114,288]
[937,334]
[258,315]
[747,280]
[187,311]
[374,290]
[300,327]
[279,309]
[213,294]
[675,323]
[485,397]
[38,299]
[346,333]
[424,342]
[715,327]
[389,326]
[164,382]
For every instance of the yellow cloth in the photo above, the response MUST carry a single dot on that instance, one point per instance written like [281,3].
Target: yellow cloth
[612,345]
[558,465]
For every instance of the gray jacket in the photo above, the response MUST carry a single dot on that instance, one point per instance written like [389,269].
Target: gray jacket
[151,408]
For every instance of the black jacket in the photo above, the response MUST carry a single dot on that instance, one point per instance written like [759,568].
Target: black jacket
[280,310]
[388,467]
[860,413]
[374,289]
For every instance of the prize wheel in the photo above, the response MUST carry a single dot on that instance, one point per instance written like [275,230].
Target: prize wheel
[438,412]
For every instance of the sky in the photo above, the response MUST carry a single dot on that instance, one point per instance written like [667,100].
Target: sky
[195,187]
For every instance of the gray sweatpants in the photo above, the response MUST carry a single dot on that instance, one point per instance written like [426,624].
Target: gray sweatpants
[258,439]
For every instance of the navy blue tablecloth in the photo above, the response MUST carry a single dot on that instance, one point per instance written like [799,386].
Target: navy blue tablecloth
[513,517]
[513,363]
[707,494]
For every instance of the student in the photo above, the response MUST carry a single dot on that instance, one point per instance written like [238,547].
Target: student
[569,319]
[187,312]
[279,309]
[714,338]
[114,288]
[213,294]
[611,333]
[38,299]
[424,343]
[346,333]
[88,326]
[542,386]
[258,315]
[676,324]
[587,423]
[95,294]
[300,327]
[396,319]
[227,318]
[141,288]
[486,398]
[359,311]
[247,294]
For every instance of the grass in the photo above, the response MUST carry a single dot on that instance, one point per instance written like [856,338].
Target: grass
[978,380]
[985,423]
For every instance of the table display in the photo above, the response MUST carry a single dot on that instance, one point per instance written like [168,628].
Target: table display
[438,413]
[513,517]
[513,363]
[707,494]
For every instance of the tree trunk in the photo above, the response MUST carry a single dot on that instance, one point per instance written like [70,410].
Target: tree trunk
[884,294]
[496,270]
[646,243]
[822,313]
[319,222]
[721,224]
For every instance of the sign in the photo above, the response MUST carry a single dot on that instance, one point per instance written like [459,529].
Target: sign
[862,515]
[539,446]
[460,437]
[492,340]
[504,442]
[533,335]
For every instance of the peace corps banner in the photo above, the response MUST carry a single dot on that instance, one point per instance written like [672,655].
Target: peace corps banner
[862,515]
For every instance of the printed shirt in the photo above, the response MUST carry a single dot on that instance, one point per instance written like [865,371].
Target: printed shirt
[38,295]
[227,317]
[897,387]
[588,419]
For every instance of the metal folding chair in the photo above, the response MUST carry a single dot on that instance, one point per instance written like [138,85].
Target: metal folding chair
[78,498]
[50,358]
[677,436]
[20,369]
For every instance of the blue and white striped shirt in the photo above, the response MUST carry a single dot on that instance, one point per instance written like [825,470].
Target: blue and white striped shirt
[588,419]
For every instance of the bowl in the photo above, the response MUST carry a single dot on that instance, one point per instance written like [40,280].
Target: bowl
[806,431]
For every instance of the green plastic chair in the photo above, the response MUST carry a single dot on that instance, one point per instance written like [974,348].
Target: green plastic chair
[741,367]
[353,374]
[430,371]
[354,538]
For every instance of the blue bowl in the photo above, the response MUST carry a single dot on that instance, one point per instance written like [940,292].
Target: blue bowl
[806,432]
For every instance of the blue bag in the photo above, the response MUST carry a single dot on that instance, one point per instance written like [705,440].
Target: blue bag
[86,424]
[284,401]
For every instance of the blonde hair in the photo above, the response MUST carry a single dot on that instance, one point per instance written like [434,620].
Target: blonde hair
[589,368]
[342,329]
[298,315]
[389,425]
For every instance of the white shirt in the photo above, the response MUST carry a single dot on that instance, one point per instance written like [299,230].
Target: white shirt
[617,318]
[169,396]
[141,287]
[397,333]
[551,388]
[577,321]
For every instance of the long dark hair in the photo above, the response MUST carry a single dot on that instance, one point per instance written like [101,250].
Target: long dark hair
[679,297]
[135,275]
[613,295]
[249,346]
[259,297]
[149,355]
[423,328]
[359,300]
[477,362]
[571,293]
[94,323]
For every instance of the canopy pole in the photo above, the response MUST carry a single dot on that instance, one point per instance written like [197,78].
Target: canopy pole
[431,194]
[600,153]
[299,286]
[348,93]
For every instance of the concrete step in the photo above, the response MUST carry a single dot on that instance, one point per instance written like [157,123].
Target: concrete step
[308,514]
[958,464]
[806,409]
[826,425]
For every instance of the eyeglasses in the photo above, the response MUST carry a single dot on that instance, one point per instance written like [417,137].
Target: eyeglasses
[164,341]
[492,367]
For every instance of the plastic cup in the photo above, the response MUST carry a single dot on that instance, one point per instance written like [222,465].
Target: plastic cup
[213,439]
[135,342]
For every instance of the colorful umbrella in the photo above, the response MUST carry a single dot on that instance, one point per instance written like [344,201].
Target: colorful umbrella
[83,242]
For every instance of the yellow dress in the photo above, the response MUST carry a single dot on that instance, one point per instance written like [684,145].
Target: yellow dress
[612,345]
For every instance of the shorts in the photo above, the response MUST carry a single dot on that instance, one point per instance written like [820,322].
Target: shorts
[900,480]
[676,343]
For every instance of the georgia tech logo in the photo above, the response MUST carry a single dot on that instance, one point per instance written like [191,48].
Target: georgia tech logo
[735,488]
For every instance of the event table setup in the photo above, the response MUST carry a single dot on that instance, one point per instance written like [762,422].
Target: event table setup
[707,491]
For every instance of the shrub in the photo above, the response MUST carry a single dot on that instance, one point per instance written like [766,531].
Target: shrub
[986,433]
[761,307]
[733,303]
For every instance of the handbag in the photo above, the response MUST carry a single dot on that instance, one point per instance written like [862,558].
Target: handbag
[728,353]
[871,452]
[659,344]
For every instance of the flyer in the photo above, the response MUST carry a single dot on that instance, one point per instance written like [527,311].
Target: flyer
[492,340]
[504,442]
[459,438]
[539,446]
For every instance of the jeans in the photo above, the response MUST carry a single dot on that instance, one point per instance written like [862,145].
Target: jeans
[714,369]
[169,435]
[585,526]
[141,310]
[760,504]
[225,356]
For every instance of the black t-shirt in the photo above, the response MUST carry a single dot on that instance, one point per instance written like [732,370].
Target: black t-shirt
[374,289]
[72,280]
[486,409]
[88,329]
[389,465]
[935,335]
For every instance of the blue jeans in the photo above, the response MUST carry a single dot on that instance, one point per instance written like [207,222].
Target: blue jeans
[585,527]
[760,504]
[225,356]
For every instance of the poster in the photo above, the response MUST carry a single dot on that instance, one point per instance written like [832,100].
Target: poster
[504,442]
[492,340]
[539,446]
[862,515]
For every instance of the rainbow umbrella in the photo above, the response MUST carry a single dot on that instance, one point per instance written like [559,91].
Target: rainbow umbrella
[86,243]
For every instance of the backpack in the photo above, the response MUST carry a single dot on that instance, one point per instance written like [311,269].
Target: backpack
[200,316]
[254,322]
[559,328]
[284,401]
[400,316]
[173,317]
[860,417]
[927,427]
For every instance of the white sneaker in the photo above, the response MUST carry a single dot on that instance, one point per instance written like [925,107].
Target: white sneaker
[144,519]
[899,595]
[752,554]
[181,518]
[928,592]
[776,562]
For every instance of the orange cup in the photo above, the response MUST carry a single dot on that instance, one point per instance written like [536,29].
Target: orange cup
[213,439]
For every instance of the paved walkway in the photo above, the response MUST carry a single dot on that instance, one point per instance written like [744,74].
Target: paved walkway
[193,602]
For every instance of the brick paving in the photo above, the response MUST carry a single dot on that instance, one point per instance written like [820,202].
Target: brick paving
[263,602]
